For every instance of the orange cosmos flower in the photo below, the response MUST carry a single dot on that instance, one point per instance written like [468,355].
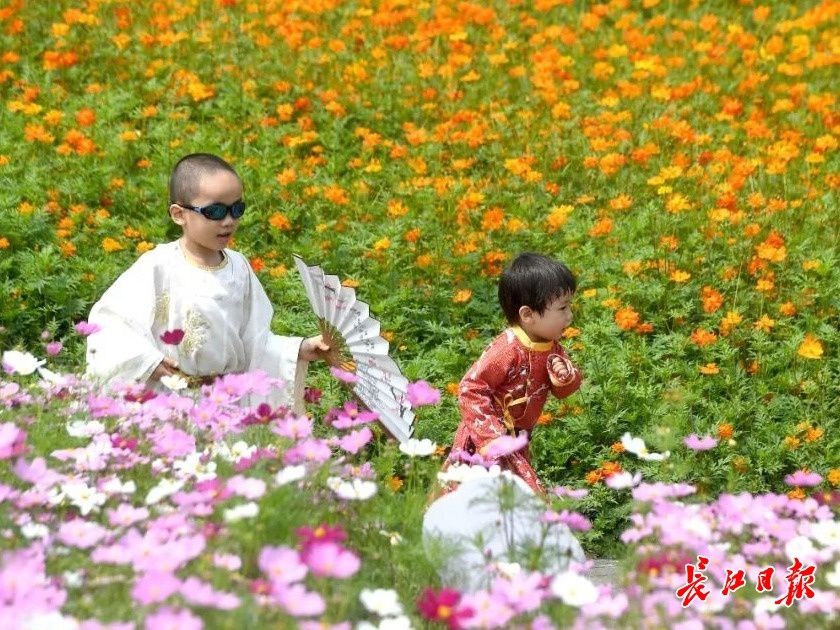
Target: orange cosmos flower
[280,221]
[730,320]
[811,347]
[558,217]
[111,245]
[602,227]
[709,368]
[626,318]
[765,324]
[712,300]
[493,219]
[461,296]
[257,264]
[702,337]
[725,431]
[787,309]
[492,262]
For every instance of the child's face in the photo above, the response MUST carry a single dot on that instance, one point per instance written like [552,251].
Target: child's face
[219,187]
[553,321]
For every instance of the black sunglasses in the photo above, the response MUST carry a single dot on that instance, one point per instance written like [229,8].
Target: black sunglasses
[217,211]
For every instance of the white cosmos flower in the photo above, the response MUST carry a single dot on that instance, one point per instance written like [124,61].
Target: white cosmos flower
[418,448]
[82,428]
[827,533]
[83,496]
[381,601]
[49,621]
[290,474]
[164,488]
[638,447]
[765,606]
[22,363]
[174,382]
[833,578]
[356,489]
[246,510]
[801,547]
[573,589]
[34,530]
[624,479]
[115,486]
[192,466]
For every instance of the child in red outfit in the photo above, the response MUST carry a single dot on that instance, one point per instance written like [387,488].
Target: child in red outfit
[504,392]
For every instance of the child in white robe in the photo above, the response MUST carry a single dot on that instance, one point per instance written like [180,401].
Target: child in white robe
[198,286]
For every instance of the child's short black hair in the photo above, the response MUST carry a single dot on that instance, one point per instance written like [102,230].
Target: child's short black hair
[533,280]
[185,178]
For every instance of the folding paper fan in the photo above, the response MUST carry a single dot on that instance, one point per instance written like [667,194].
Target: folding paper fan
[357,347]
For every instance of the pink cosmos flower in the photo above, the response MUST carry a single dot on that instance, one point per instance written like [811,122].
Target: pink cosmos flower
[329,559]
[574,520]
[572,493]
[167,618]
[293,427]
[343,375]
[803,479]
[506,444]
[282,565]
[53,348]
[696,443]
[309,536]
[201,593]
[247,487]
[125,515]
[154,587]
[81,533]
[421,393]
[349,416]
[228,561]
[12,440]
[490,610]
[172,337]
[171,442]
[444,605]
[297,601]
[86,329]
[312,450]
[355,441]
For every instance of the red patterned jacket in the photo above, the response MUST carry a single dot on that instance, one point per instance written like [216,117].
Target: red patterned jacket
[504,392]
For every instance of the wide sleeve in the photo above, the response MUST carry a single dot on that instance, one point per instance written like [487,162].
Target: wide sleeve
[480,412]
[124,347]
[274,354]
[570,383]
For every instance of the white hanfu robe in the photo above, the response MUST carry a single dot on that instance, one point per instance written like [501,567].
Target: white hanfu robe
[223,311]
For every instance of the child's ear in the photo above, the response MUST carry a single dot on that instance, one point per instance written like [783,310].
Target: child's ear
[526,314]
[176,213]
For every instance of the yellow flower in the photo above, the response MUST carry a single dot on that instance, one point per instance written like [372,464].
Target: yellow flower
[4,243]
[709,368]
[811,348]
[382,244]
[765,324]
[111,245]
[144,246]
[680,276]
[462,296]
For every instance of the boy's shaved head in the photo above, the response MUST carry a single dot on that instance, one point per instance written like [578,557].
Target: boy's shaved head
[186,176]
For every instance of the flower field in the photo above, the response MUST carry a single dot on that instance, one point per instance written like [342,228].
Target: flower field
[680,157]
